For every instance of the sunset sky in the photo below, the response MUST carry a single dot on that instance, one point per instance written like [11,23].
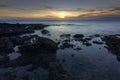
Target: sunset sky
[58,9]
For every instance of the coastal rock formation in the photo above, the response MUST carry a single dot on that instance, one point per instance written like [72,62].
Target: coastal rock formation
[40,44]
[6,46]
[66,45]
[65,35]
[17,29]
[113,43]
[78,36]
[45,31]
[97,42]
[38,52]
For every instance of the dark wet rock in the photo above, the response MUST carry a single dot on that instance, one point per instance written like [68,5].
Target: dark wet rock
[72,55]
[4,60]
[113,43]
[16,40]
[82,40]
[118,58]
[106,47]
[6,45]
[46,61]
[57,73]
[86,41]
[26,43]
[8,76]
[97,35]
[45,31]
[78,36]
[65,35]
[25,78]
[28,48]
[58,43]
[42,44]
[99,48]
[29,39]
[81,63]
[66,45]
[42,51]
[47,44]
[98,42]
[66,40]
[63,60]
[39,26]
[17,29]
[35,26]
[13,33]
[88,38]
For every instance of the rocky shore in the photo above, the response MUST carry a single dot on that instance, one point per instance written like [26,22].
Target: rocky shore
[35,50]
[9,35]
[17,29]
[39,51]
[113,44]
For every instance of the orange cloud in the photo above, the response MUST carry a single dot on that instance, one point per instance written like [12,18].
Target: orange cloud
[56,14]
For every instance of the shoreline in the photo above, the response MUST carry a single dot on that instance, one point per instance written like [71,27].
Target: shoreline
[41,51]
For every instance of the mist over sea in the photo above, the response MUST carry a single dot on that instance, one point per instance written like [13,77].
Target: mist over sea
[75,26]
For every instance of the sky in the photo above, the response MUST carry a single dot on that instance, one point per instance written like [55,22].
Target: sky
[58,9]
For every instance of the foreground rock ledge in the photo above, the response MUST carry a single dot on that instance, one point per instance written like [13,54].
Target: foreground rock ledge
[41,44]
[113,43]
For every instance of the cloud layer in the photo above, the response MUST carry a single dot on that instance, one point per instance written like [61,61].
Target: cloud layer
[55,9]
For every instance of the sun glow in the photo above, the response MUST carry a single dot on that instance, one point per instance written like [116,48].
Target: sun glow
[55,14]
[63,14]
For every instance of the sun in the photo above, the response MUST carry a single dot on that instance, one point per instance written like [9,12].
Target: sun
[62,14]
